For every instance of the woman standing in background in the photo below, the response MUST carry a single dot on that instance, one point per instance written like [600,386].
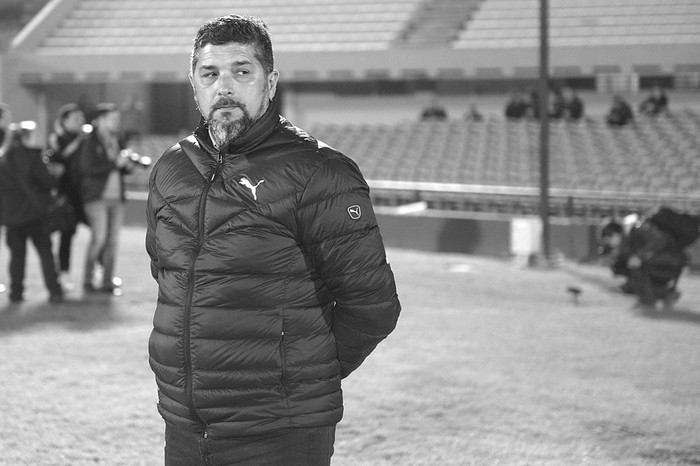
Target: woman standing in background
[63,144]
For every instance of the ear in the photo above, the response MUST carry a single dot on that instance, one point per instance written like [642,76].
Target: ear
[194,91]
[191,78]
[272,79]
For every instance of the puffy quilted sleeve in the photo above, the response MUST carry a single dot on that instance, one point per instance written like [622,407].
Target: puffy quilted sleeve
[154,199]
[339,232]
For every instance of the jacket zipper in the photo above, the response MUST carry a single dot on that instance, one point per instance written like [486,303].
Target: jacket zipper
[283,359]
[190,292]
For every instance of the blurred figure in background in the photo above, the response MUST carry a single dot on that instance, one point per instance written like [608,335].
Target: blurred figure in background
[655,103]
[516,106]
[620,112]
[133,116]
[25,191]
[573,105]
[473,113]
[651,253]
[556,103]
[63,144]
[435,111]
[532,100]
[102,170]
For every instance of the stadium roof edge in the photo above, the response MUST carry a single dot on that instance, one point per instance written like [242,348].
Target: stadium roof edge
[394,64]
[41,24]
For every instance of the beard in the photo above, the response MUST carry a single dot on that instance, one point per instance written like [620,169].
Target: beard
[224,127]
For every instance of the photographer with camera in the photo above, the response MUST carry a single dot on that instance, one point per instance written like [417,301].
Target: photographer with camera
[103,166]
[650,252]
[25,191]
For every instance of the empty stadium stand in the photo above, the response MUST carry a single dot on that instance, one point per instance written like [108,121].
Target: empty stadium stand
[515,23]
[130,26]
[437,22]
[493,166]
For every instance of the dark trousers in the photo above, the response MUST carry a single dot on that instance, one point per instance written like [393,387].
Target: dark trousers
[17,237]
[306,446]
[652,283]
[64,249]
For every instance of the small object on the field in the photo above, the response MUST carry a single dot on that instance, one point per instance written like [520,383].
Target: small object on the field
[575,292]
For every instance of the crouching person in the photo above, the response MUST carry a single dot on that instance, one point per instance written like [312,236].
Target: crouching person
[655,265]
[649,252]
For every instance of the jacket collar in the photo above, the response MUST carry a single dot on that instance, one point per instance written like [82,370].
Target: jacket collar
[256,134]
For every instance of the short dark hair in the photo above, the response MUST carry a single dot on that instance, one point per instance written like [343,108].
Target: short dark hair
[102,109]
[67,109]
[235,28]
[612,228]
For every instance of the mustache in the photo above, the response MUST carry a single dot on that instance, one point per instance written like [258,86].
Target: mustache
[226,102]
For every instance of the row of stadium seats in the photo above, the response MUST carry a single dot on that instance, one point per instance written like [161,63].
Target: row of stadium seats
[495,162]
[515,23]
[106,25]
[655,155]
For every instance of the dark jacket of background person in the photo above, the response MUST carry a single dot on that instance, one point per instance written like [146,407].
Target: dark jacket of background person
[69,183]
[25,185]
[653,245]
[573,109]
[655,103]
[95,168]
[273,279]
[620,112]
[573,104]
[516,107]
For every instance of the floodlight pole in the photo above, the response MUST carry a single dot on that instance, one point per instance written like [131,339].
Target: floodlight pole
[544,127]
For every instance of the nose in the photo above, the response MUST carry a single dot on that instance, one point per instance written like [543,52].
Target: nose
[225,84]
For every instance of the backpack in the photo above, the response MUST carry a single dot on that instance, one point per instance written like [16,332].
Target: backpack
[685,228]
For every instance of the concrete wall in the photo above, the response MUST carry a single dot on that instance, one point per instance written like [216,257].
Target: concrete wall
[489,235]
[478,234]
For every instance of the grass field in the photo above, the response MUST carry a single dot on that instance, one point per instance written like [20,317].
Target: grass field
[491,364]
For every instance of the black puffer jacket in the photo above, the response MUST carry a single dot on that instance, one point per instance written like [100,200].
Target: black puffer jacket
[25,186]
[273,280]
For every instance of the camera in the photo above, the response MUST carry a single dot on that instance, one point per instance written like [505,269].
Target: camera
[23,131]
[140,160]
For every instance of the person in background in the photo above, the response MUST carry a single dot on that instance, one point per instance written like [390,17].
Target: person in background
[516,106]
[650,253]
[132,110]
[102,171]
[620,112]
[25,190]
[556,104]
[573,104]
[435,111]
[473,113]
[615,246]
[532,103]
[63,144]
[655,103]
[273,281]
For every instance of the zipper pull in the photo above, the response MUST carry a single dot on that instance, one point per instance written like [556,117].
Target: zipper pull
[219,162]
